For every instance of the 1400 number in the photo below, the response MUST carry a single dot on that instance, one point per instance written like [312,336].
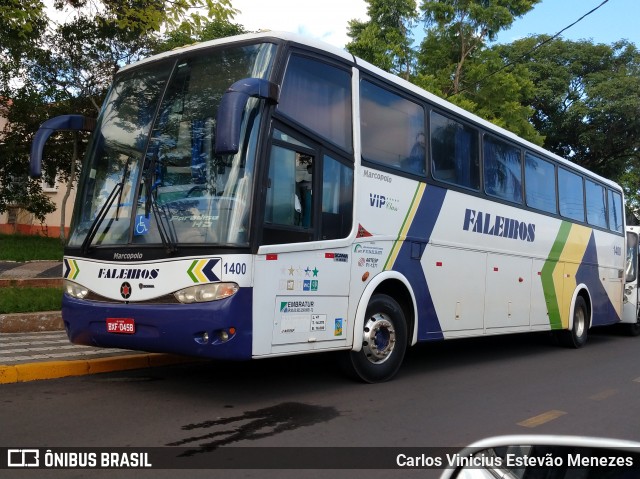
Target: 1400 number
[235,268]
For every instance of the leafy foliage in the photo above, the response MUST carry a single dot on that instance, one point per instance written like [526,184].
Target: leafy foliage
[49,69]
[586,103]
[21,24]
[186,34]
[458,29]
[385,40]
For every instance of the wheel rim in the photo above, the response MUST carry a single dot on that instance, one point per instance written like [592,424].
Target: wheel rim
[379,338]
[579,322]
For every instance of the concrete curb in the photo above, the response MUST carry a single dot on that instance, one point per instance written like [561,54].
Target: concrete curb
[31,322]
[20,373]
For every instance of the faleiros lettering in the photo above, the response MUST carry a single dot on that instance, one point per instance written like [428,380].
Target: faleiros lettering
[128,273]
[485,223]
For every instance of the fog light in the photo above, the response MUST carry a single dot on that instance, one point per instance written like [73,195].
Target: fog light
[201,338]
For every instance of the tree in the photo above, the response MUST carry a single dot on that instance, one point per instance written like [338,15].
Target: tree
[585,103]
[22,22]
[67,70]
[458,29]
[455,63]
[385,40]
[187,34]
[453,60]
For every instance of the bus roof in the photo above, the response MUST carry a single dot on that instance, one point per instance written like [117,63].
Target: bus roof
[368,67]
[247,37]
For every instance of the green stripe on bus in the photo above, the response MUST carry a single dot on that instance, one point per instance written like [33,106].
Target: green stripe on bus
[547,276]
[190,271]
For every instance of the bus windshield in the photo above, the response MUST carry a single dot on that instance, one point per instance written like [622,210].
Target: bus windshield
[153,154]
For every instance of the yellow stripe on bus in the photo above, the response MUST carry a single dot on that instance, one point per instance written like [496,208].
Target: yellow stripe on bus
[564,275]
[408,221]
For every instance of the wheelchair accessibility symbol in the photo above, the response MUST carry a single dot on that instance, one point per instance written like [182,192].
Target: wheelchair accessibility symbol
[142,225]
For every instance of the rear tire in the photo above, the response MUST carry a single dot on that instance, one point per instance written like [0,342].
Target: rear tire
[576,337]
[632,329]
[384,342]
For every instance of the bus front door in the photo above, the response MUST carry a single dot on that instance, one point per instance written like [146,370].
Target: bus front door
[630,309]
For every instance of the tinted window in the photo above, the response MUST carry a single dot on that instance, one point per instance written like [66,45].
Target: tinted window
[571,195]
[318,96]
[337,198]
[615,211]
[392,129]
[303,183]
[454,152]
[540,183]
[289,196]
[596,204]
[502,170]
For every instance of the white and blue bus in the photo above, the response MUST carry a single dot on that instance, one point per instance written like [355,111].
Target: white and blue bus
[269,195]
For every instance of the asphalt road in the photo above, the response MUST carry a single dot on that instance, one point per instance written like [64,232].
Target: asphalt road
[447,394]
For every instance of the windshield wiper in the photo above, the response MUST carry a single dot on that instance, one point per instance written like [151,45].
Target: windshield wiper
[168,243]
[151,204]
[102,214]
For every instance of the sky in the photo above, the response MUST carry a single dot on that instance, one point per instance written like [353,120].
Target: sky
[327,19]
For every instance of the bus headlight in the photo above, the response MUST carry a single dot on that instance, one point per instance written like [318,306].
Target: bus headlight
[75,290]
[206,292]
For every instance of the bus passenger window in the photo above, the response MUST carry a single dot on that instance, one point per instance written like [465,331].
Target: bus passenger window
[615,211]
[318,96]
[392,129]
[502,170]
[540,183]
[596,204]
[454,152]
[571,195]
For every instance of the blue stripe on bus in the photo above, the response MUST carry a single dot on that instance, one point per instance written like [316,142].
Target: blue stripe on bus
[588,273]
[410,266]
[165,328]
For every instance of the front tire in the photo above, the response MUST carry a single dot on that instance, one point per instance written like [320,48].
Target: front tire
[576,337]
[384,342]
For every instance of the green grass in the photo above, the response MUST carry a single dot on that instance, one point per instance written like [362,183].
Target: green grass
[30,300]
[28,248]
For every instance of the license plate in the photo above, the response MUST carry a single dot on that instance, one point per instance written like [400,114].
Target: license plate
[121,325]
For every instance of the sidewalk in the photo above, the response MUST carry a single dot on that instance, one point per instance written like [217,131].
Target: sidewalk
[31,269]
[35,346]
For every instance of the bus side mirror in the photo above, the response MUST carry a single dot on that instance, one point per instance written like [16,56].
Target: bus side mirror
[58,123]
[232,105]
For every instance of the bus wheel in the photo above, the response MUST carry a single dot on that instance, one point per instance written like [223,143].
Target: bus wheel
[633,329]
[384,342]
[577,336]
